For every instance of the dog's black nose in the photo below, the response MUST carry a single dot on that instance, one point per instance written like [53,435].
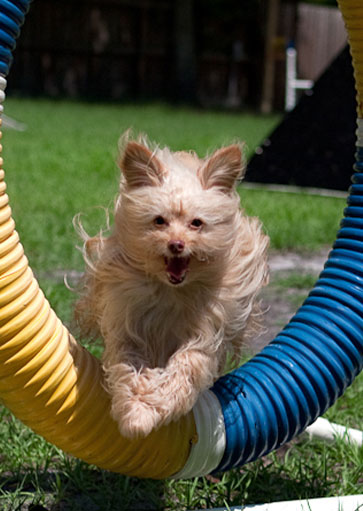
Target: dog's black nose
[176,246]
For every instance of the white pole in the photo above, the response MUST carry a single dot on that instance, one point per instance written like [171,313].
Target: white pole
[290,91]
[292,83]
[347,503]
[329,432]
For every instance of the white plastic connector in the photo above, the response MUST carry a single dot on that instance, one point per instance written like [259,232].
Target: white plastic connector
[207,452]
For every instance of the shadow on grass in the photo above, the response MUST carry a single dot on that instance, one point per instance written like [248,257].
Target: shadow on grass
[79,487]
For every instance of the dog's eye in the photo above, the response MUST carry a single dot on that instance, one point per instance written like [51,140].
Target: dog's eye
[159,220]
[196,223]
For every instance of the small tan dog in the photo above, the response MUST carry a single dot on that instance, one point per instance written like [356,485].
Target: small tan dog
[173,288]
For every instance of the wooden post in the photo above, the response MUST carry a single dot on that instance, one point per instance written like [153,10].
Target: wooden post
[184,54]
[273,8]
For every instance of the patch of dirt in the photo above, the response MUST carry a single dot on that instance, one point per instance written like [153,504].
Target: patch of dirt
[294,262]
[281,303]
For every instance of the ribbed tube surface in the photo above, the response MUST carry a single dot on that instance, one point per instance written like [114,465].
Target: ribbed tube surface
[306,368]
[352,11]
[12,15]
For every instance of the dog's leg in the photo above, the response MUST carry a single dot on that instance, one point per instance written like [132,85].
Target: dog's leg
[166,394]
[189,372]
[145,400]
[133,399]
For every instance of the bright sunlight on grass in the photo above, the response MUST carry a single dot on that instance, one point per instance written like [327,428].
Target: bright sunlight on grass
[63,164]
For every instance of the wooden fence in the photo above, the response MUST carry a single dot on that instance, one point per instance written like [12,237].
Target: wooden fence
[120,49]
[195,49]
[321,35]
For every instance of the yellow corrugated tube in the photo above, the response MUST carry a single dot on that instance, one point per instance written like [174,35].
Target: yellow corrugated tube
[352,11]
[54,385]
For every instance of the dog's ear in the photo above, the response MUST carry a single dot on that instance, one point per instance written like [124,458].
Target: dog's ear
[140,166]
[223,168]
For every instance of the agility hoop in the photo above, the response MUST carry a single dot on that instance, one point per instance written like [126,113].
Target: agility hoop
[53,385]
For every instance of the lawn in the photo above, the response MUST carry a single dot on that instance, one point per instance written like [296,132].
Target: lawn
[63,164]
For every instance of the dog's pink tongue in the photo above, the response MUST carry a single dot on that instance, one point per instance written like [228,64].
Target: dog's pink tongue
[176,268]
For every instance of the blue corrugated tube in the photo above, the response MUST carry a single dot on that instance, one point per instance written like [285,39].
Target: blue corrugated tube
[300,374]
[12,15]
[282,390]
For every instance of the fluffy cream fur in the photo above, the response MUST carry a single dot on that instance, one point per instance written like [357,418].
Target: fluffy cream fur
[173,288]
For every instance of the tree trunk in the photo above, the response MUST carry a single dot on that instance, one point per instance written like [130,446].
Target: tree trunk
[185,62]
[269,63]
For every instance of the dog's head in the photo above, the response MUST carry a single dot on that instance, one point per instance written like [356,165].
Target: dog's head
[177,214]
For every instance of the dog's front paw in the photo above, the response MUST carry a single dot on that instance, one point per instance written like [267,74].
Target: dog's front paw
[135,418]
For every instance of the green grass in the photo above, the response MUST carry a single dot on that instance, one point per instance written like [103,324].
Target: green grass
[34,472]
[299,222]
[63,164]
[301,281]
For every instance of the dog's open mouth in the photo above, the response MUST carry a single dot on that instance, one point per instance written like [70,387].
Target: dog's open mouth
[176,268]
